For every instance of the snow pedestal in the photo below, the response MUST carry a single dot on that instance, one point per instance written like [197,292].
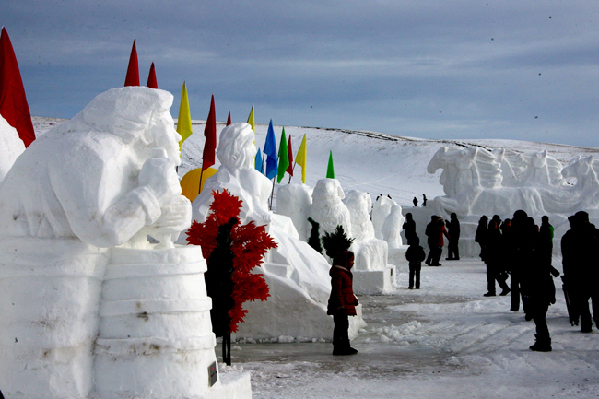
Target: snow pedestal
[372,274]
[49,296]
[156,338]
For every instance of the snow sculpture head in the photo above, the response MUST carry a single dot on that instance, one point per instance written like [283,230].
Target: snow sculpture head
[140,117]
[236,148]
[102,177]
[328,208]
[358,203]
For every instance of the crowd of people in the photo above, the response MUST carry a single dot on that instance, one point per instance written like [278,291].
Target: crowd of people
[518,249]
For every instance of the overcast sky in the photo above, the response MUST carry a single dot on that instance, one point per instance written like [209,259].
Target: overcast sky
[434,68]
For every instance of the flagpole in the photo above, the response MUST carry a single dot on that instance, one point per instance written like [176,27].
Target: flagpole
[201,174]
[293,170]
[274,180]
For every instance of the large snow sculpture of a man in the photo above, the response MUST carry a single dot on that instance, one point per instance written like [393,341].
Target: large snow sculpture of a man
[100,177]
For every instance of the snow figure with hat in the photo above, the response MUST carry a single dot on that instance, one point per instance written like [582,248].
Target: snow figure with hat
[75,262]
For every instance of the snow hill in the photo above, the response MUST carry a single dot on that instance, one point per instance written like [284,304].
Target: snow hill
[372,162]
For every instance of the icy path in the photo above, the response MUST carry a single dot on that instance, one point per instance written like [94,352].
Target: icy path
[443,341]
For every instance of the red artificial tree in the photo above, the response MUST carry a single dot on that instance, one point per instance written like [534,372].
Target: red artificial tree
[232,251]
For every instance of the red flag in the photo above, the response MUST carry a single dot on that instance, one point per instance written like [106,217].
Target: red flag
[229,120]
[152,82]
[132,78]
[13,102]
[290,151]
[210,133]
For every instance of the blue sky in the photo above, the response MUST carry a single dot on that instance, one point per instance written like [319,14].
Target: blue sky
[433,69]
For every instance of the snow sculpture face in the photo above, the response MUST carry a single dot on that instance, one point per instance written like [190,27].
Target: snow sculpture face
[140,117]
[236,148]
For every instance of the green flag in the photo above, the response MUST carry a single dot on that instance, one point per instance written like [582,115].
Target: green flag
[283,157]
[331,167]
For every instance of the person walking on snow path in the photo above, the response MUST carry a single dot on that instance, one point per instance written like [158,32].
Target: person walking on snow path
[342,302]
[453,229]
[415,255]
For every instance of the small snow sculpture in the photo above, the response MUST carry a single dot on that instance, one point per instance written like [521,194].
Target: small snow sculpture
[295,201]
[97,177]
[328,208]
[380,211]
[392,227]
[358,204]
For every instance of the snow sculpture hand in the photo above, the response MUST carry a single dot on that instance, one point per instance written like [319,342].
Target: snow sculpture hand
[175,217]
[159,176]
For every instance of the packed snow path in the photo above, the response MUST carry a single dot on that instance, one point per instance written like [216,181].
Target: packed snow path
[444,340]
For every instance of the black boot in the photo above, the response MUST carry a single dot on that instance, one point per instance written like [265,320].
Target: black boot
[344,349]
[541,344]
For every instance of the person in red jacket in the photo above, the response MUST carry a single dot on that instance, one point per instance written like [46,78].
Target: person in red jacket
[342,302]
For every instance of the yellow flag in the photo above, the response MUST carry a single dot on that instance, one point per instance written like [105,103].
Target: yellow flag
[251,120]
[184,122]
[300,158]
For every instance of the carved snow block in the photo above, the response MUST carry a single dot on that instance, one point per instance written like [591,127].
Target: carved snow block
[49,296]
[374,282]
[156,338]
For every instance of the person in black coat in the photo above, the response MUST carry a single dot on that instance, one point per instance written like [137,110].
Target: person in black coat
[537,283]
[520,251]
[409,228]
[481,235]
[431,238]
[415,201]
[415,255]
[453,229]
[580,251]
[494,259]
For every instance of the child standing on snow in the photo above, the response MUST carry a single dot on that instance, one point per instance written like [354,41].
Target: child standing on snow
[415,255]
[342,302]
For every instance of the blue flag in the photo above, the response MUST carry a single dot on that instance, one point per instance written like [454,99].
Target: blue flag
[270,150]
[259,163]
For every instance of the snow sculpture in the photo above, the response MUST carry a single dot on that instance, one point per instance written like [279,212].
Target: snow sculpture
[297,275]
[103,179]
[392,227]
[328,208]
[585,192]
[295,201]
[11,146]
[472,177]
[358,205]
[380,211]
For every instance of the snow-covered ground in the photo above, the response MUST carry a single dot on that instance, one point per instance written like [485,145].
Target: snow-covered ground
[443,341]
